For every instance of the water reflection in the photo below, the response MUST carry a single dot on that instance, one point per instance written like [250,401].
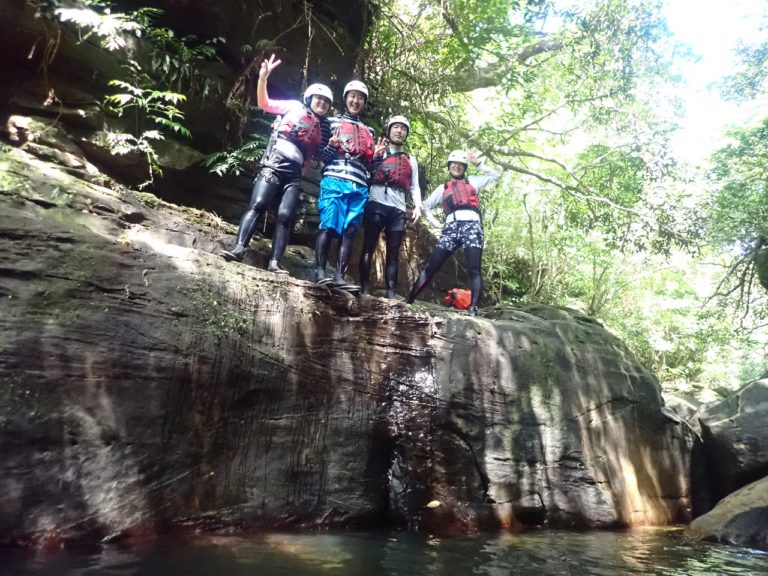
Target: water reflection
[642,551]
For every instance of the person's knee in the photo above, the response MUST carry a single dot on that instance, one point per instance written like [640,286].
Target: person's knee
[284,217]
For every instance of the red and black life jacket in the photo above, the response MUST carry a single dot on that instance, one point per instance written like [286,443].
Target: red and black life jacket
[356,140]
[302,127]
[460,195]
[395,171]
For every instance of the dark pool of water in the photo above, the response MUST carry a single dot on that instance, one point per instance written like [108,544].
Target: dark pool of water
[646,551]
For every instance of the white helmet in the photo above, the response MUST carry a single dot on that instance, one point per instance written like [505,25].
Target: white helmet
[458,156]
[317,90]
[398,120]
[355,85]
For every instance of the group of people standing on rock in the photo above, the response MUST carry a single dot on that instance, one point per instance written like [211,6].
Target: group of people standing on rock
[364,180]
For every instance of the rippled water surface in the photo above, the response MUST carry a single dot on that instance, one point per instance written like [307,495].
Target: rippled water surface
[647,551]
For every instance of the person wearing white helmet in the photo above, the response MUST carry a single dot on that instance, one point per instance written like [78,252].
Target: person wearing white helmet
[300,131]
[395,173]
[463,226]
[347,162]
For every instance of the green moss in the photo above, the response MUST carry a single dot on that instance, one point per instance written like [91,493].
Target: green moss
[231,497]
[196,216]
[12,179]
[206,219]
[212,312]
[149,199]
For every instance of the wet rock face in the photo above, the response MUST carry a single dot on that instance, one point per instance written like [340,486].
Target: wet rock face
[147,383]
[735,437]
[545,418]
[741,518]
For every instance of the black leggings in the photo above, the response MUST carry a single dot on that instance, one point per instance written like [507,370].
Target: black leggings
[264,190]
[323,245]
[394,240]
[268,183]
[473,257]
[284,221]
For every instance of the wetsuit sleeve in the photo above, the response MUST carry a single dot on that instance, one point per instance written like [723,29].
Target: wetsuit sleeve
[325,134]
[328,152]
[434,199]
[415,188]
[489,177]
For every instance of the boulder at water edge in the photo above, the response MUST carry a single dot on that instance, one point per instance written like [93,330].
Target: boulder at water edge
[741,518]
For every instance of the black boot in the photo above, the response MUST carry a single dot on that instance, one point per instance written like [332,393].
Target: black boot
[364,269]
[338,277]
[391,286]
[264,189]
[345,251]
[418,286]
[234,254]
[322,245]
[473,311]
[321,276]
[274,266]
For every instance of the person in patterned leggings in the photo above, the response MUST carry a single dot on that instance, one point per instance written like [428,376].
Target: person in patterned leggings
[463,227]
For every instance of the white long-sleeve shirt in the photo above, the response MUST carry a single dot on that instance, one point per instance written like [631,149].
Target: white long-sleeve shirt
[488,177]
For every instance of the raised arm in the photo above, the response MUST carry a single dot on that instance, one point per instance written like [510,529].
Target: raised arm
[488,177]
[262,96]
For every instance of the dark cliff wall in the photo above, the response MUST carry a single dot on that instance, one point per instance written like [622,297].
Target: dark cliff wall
[147,384]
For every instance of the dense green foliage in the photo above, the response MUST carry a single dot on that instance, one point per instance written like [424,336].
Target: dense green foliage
[151,93]
[737,219]
[593,211]
[736,211]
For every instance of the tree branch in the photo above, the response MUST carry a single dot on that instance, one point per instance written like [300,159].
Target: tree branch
[449,20]
[540,47]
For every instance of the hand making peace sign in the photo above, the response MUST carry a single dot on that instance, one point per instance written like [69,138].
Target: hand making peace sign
[267,66]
